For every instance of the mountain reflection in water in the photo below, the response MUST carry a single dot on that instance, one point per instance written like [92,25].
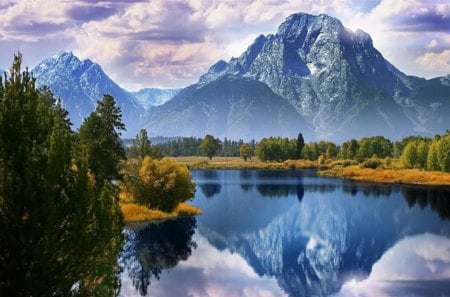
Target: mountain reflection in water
[319,237]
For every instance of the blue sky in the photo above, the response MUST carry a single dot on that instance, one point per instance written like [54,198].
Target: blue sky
[170,43]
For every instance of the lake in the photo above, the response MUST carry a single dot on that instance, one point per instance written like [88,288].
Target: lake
[292,233]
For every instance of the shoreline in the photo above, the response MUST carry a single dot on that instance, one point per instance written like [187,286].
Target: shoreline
[389,176]
[353,172]
[135,213]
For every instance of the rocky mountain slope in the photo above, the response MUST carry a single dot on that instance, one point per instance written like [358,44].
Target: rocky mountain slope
[334,78]
[227,107]
[80,84]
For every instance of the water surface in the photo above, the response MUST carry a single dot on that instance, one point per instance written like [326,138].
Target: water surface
[291,233]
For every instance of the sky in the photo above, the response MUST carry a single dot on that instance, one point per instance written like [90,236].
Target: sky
[170,43]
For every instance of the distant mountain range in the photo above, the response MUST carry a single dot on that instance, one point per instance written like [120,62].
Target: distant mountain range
[80,84]
[149,97]
[313,76]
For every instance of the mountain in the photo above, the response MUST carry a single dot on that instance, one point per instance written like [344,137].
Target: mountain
[80,84]
[227,107]
[331,76]
[149,97]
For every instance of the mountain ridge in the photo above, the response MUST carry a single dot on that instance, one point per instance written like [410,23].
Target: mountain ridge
[80,84]
[329,74]
[339,85]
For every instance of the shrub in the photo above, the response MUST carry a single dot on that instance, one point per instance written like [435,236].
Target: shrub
[347,163]
[160,184]
[371,163]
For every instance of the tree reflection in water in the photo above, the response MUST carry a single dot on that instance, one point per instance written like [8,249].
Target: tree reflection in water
[157,247]
[436,198]
[209,190]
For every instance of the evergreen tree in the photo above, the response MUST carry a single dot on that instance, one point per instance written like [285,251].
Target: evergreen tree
[51,221]
[300,145]
[143,147]
[99,136]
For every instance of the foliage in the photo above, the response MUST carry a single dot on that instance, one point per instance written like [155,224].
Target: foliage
[427,154]
[190,146]
[276,149]
[433,157]
[99,137]
[142,147]
[239,163]
[372,163]
[407,176]
[159,184]
[444,153]
[349,149]
[53,216]
[409,156]
[246,151]
[376,146]
[300,145]
[210,146]
[133,212]
[312,151]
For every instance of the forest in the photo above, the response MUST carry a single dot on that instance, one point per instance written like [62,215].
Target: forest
[418,152]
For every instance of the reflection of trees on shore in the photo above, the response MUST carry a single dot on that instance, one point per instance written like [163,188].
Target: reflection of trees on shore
[246,187]
[159,246]
[278,191]
[209,190]
[367,189]
[245,174]
[436,198]
[209,174]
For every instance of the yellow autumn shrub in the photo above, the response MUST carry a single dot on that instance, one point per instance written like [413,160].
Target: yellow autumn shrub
[159,184]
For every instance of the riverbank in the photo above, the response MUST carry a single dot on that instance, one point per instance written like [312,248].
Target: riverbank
[239,163]
[133,212]
[398,176]
[394,173]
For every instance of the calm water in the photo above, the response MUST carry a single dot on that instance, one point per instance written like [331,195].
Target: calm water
[291,233]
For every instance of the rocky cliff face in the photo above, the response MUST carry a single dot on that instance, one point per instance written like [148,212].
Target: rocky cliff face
[338,81]
[80,84]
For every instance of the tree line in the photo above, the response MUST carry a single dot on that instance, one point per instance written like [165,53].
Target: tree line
[413,151]
[192,146]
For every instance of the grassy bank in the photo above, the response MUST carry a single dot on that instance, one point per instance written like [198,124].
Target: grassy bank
[133,212]
[239,163]
[383,175]
[388,172]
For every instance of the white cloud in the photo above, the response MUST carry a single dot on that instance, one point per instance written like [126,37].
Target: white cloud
[443,9]
[209,272]
[171,43]
[435,62]
[414,259]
